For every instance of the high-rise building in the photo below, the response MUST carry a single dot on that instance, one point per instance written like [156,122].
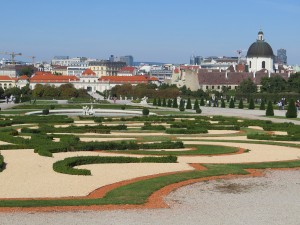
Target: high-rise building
[196,60]
[128,59]
[281,56]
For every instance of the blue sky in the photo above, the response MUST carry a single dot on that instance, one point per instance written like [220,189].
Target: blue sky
[156,30]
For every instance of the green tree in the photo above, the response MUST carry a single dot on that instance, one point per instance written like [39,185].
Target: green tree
[154,101]
[231,103]
[262,105]
[175,105]
[291,110]
[12,91]
[251,104]
[247,86]
[196,104]
[1,91]
[181,105]
[202,103]
[159,102]
[223,105]
[241,104]
[170,103]
[270,110]
[28,71]
[294,83]
[164,103]
[38,91]
[275,84]
[145,111]
[189,104]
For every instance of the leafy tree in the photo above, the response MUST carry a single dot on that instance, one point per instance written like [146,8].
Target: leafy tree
[12,91]
[291,110]
[247,86]
[154,101]
[28,71]
[196,104]
[251,104]
[159,102]
[241,104]
[223,105]
[1,91]
[231,103]
[274,84]
[170,103]
[262,105]
[26,90]
[175,105]
[270,110]
[294,83]
[189,104]
[164,103]
[38,90]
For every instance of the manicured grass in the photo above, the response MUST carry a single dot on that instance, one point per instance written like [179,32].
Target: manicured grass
[200,150]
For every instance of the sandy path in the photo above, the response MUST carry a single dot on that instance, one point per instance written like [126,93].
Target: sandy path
[29,175]
[258,153]
[105,139]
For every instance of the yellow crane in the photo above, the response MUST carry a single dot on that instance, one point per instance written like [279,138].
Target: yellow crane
[12,55]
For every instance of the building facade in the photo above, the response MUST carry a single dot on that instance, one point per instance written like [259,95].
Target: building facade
[106,68]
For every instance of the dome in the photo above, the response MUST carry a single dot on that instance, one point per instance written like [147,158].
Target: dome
[260,48]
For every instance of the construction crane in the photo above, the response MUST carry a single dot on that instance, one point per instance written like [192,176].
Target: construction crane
[12,55]
[32,57]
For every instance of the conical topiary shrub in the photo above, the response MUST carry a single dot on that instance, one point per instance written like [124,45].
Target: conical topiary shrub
[196,104]
[188,104]
[159,102]
[251,104]
[291,110]
[223,105]
[231,103]
[270,110]
[202,103]
[181,105]
[262,105]
[164,103]
[169,103]
[241,104]
[154,101]
[175,105]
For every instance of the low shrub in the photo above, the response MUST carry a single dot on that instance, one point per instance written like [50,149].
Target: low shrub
[186,131]
[2,164]
[67,165]
[123,107]
[28,130]
[198,111]
[156,127]
[145,111]
[45,111]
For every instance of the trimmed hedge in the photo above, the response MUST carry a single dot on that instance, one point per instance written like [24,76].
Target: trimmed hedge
[186,131]
[67,165]
[150,127]
[2,164]
[42,119]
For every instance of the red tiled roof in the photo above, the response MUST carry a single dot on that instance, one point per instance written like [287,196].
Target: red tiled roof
[176,70]
[89,72]
[7,78]
[128,69]
[189,67]
[50,78]
[127,79]
[23,77]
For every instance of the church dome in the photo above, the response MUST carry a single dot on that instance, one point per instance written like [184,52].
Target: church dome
[260,48]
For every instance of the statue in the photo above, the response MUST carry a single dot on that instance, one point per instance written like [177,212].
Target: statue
[144,100]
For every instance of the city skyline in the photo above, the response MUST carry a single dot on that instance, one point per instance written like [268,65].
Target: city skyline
[165,31]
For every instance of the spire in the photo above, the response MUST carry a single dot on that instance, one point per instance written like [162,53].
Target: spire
[260,36]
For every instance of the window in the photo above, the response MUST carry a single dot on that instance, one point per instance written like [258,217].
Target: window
[250,64]
[218,87]
[206,87]
[212,87]
[263,64]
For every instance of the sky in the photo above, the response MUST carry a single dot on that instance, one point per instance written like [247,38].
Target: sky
[167,31]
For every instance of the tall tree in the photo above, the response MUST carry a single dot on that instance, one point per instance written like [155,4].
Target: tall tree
[274,84]
[189,104]
[291,110]
[247,87]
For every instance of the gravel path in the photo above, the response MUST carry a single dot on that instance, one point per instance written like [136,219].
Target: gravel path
[272,200]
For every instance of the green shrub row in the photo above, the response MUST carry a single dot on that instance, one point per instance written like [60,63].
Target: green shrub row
[274,137]
[155,127]
[186,131]
[42,119]
[67,165]
[2,164]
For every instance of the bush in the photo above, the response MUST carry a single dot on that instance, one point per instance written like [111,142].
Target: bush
[251,104]
[196,104]
[181,109]
[67,165]
[223,105]
[164,103]
[291,110]
[159,102]
[262,105]
[188,104]
[146,111]
[241,104]
[175,105]
[45,111]
[52,106]
[270,110]
[150,127]
[1,163]
[231,103]
[186,131]
[169,103]
[154,101]
[198,111]
[123,107]
[202,103]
